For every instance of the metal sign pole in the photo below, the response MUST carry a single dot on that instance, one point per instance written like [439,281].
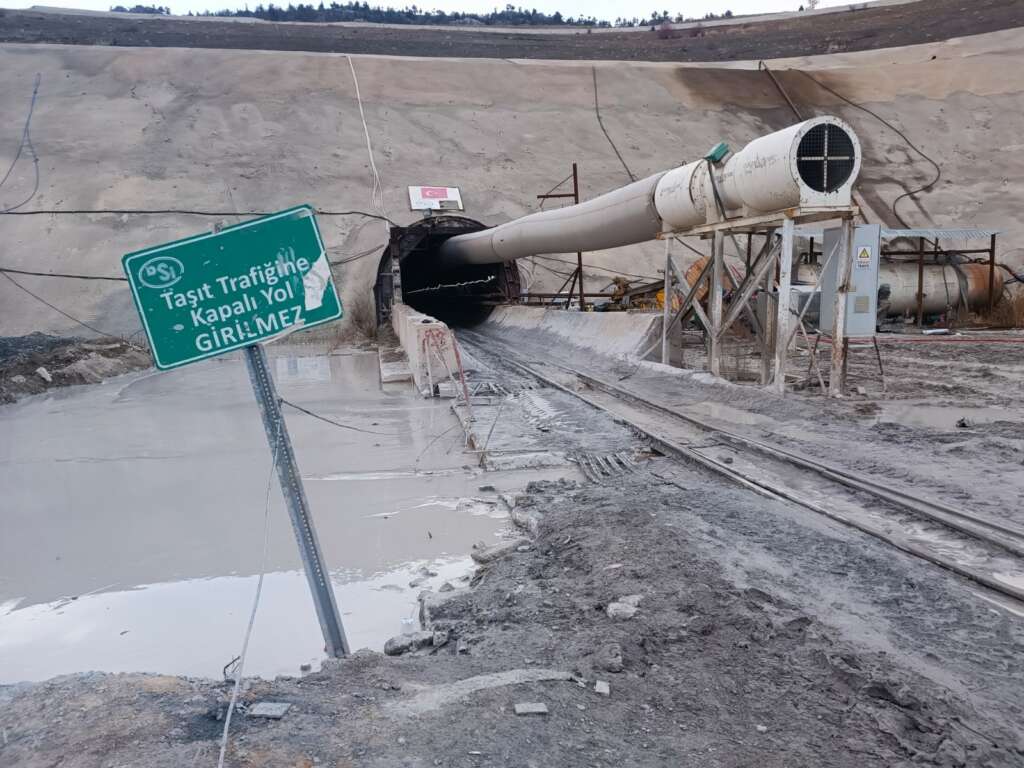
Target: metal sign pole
[295,499]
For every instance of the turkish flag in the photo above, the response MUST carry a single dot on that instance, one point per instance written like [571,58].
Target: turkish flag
[434,193]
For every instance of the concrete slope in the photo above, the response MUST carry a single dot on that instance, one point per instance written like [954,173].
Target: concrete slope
[228,130]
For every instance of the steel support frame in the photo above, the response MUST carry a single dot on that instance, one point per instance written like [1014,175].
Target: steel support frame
[782,310]
[689,302]
[837,373]
[575,195]
[775,345]
[715,303]
[666,309]
[992,274]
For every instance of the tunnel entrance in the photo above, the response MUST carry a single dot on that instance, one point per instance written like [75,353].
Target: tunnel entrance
[460,296]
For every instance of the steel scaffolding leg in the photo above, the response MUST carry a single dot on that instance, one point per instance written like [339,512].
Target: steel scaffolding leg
[782,310]
[666,314]
[836,379]
[715,304]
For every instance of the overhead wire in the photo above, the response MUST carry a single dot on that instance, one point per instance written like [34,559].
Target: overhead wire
[181,212]
[25,142]
[593,266]
[898,132]
[14,271]
[360,255]
[600,122]
[57,309]
[377,189]
[629,172]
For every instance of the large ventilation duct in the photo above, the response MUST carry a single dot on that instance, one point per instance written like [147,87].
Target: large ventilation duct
[811,164]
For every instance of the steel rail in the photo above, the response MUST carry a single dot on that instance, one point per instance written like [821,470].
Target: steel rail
[671,448]
[1005,535]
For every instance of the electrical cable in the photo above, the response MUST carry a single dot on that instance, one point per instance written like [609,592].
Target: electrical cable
[62,274]
[600,122]
[256,598]
[40,299]
[898,132]
[181,212]
[26,141]
[70,276]
[434,440]
[331,421]
[594,266]
[360,255]
[443,286]
[377,189]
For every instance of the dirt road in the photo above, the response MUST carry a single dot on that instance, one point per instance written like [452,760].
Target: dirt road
[708,671]
[730,629]
[877,27]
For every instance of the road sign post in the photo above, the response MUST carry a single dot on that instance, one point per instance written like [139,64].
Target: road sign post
[217,292]
[295,499]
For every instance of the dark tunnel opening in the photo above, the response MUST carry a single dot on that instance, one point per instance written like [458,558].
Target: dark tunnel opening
[462,296]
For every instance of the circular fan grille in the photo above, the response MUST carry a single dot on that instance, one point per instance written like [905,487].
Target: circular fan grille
[825,157]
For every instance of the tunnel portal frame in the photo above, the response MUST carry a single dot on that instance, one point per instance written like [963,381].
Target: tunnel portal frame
[410,255]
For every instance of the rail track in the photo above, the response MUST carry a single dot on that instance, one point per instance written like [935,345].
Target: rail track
[985,551]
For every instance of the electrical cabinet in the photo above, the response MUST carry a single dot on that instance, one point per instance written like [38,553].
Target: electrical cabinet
[862,296]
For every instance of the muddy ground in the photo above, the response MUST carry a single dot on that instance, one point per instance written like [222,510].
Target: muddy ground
[731,630]
[903,426]
[708,671]
[38,362]
[879,27]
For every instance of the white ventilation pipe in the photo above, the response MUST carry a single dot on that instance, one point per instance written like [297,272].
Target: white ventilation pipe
[811,164]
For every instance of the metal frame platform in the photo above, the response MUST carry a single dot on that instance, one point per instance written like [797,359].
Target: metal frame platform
[718,319]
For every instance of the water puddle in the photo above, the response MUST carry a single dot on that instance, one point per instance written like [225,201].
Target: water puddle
[726,413]
[133,516]
[943,417]
[194,627]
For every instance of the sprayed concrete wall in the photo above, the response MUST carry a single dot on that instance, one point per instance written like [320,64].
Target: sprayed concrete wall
[608,333]
[246,130]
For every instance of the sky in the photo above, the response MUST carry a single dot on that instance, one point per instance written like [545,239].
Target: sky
[601,9]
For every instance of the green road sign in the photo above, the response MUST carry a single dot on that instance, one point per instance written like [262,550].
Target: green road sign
[210,294]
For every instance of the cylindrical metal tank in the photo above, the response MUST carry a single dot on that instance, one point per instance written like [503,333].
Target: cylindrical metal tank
[813,163]
[944,286]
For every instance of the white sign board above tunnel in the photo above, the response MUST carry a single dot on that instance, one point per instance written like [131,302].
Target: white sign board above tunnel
[435,199]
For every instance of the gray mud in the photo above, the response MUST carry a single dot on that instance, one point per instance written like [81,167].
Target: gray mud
[64,362]
[730,630]
[707,671]
[979,465]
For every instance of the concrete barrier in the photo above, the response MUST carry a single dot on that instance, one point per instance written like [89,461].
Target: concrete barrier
[615,334]
[429,345]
